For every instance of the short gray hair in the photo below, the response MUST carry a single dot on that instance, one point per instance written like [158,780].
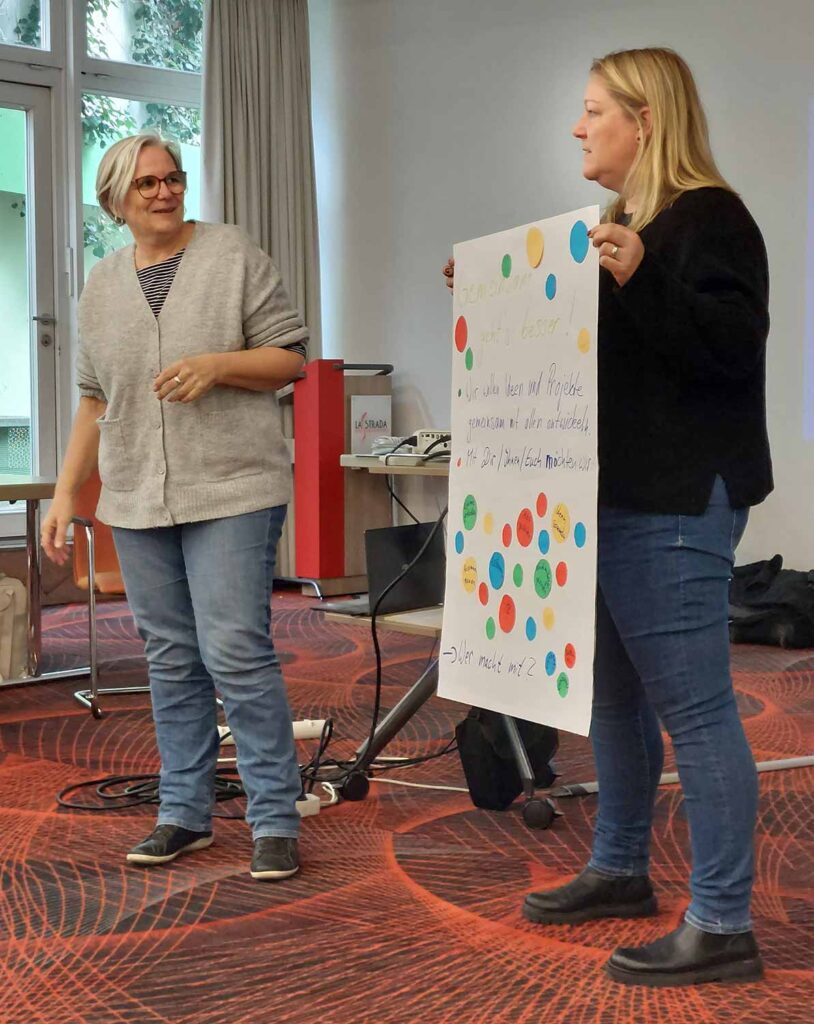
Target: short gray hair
[118,165]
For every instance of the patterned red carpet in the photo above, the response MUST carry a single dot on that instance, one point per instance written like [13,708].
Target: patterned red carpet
[407,908]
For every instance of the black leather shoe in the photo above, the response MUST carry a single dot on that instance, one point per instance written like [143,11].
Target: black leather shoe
[688,956]
[165,843]
[275,857]
[591,895]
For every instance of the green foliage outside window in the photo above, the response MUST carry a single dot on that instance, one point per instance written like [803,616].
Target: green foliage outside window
[27,28]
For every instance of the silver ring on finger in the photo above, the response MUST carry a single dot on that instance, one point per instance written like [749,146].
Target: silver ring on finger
[614,251]
[177,379]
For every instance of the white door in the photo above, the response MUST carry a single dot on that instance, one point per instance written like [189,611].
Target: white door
[27,300]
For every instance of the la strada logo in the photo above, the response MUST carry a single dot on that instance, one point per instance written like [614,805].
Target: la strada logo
[366,424]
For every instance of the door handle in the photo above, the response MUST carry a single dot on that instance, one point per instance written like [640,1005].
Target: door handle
[47,320]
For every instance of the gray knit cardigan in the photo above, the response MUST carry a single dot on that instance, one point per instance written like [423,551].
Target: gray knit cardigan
[223,455]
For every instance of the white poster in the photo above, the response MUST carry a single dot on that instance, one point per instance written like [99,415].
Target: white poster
[518,633]
[370,418]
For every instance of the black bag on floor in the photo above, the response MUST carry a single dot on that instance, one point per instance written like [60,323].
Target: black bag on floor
[488,760]
[771,605]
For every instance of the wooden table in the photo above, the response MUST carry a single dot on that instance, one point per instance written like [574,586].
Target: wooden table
[32,490]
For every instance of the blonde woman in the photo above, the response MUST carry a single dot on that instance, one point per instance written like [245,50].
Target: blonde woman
[184,337]
[683,453]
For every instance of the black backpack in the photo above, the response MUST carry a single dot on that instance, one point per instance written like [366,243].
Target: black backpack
[488,760]
[771,605]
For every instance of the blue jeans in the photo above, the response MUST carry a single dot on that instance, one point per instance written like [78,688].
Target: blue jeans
[200,593]
[662,652]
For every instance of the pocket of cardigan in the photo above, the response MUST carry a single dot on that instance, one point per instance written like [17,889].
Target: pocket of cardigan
[231,445]
[115,463]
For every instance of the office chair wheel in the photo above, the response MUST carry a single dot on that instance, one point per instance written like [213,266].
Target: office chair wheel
[95,710]
[539,813]
[355,787]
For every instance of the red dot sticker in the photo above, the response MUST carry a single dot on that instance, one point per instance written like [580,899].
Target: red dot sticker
[570,656]
[483,593]
[525,527]
[461,333]
[507,535]
[507,614]
[562,574]
[542,505]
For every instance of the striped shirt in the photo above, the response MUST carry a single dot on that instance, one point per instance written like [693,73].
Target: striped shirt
[156,282]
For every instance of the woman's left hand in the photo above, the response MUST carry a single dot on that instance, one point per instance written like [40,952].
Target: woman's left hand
[620,250]
[188,379]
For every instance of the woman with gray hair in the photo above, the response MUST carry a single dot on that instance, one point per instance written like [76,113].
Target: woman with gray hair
[184,337]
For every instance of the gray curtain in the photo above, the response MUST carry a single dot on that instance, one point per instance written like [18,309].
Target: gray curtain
[257,150]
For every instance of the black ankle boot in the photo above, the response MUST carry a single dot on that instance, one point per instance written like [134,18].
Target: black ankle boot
[591,895]
[688,956]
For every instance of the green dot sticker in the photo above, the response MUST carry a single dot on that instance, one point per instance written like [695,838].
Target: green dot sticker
[469,359]
[506,266]
[470,511]
[490,628]
[517,575]
[562,684]
[542,578]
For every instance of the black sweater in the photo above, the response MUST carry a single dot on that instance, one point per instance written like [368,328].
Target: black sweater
[681,355]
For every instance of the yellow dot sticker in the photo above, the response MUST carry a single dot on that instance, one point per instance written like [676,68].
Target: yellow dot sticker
[535,246]
[488,523]
[549,618]
[469,575]
[584,340]
[561,523]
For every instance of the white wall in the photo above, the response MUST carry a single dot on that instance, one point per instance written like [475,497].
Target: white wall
[442,120]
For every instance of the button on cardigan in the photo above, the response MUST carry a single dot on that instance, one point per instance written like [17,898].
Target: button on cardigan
[163,463]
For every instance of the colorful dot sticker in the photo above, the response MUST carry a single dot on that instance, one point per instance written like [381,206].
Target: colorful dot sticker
[562,574]
[483,594]
[507,535]
[506,614]
[497,570]
[461,333]
[561,523]
[542,504]
[490,628]
[549,618]
[531,628]
[517,575]
[525,528]
[535,246]
[570,656]
[469,575]
[469,359]
[562,684]
[550,286]
[551,663]
[579,241]
[542,578]
[470,511]
[506,266]
[580,535]
[584,341]
[544,542]
[459,542]
[488,523]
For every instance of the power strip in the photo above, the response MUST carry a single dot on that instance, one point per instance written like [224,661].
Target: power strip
[308,805]
[425,439]
[305,729]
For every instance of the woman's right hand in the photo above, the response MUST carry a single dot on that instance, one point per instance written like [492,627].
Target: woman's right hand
[55,528]
[449,273]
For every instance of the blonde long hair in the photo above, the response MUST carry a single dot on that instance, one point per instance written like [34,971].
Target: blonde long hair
[674,155]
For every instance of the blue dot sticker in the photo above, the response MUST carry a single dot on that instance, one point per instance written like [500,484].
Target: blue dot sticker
[551,663]
[459,542]
[579,241]
[544,542]
[497,570]
[550,286]
[531,628]
[580,535]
